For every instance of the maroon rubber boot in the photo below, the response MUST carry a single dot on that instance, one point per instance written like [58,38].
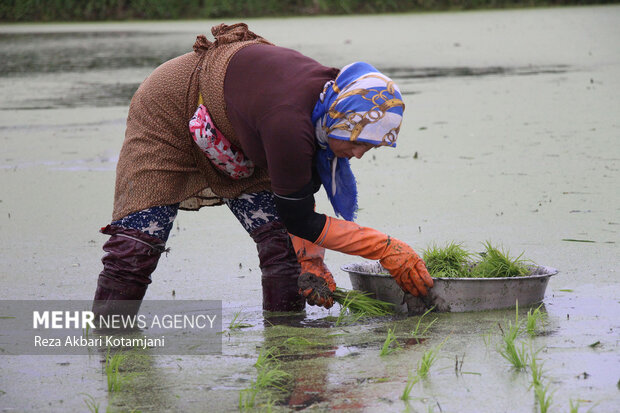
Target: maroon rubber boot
[280,268]
[131,257]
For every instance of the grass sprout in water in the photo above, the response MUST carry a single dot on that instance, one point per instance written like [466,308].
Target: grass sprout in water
[497,263]
[450,261]
[390,344]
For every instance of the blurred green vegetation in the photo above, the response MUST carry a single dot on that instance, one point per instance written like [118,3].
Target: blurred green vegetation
[89,10]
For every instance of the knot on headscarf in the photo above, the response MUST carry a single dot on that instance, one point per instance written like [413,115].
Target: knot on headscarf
[361,104]
[225,34]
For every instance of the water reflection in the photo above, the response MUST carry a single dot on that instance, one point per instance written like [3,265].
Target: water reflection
[33,53]
[104,68]
[81,69]
[461,71]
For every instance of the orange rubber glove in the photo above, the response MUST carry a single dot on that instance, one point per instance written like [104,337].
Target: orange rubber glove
[316,282]
[407,269]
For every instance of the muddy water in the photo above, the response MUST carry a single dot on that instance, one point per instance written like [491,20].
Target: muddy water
[514,119]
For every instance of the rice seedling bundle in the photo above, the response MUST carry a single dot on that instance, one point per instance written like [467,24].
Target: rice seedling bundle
[362,304]
[453,261]
[497,263]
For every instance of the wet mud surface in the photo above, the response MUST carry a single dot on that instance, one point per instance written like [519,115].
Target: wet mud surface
[510,135]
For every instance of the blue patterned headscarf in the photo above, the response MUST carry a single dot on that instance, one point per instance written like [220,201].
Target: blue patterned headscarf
[363,105]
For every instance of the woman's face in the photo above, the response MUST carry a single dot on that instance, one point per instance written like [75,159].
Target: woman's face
[348,149]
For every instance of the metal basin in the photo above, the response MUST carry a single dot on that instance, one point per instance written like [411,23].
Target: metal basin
[453,294]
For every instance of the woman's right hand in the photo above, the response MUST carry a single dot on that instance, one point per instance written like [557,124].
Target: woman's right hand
[405,266]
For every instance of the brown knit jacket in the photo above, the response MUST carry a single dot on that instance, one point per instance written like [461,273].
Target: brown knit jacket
[159,163]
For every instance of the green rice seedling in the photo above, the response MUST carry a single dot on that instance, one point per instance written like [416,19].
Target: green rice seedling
[487,338]
[91,403]
[272,376]
[356,304]
[417,333]
[574,407]
[112,364]
[86,331]
[361,303]
[533,318]
[424,366]
[237,323]
[450,261]
[517,357]
[431,409]
[269,376]
[543,397]
[293,343]
[496,263]
[411,381]
[268,406]
[266,356]
[536,369]
[346,315]
[428,359]
[247,398]
[390,344]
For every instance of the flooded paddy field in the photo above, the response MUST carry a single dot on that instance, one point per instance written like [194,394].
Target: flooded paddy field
[511,134]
